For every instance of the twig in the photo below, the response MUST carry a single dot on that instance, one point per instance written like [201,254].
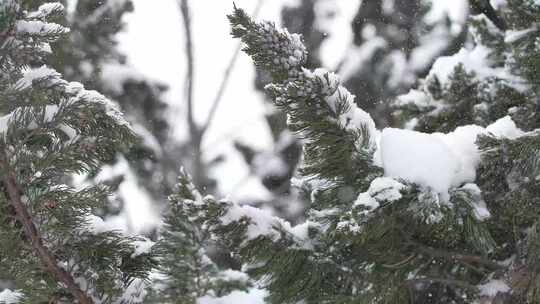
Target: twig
[197,132]
[400,263]
[194,130]
[34,236]
[186,17]
[453,256]
[226,77]
[221,89]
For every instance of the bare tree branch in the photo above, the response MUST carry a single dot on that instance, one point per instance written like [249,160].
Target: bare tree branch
[33,235]
[226,77]
[190,77]
[198,172]
[221,89]
[197,132]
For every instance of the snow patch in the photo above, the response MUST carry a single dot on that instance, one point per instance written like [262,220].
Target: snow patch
[142,247]
[364,199]
[353,118]
[111,108]
[39,28]
[134,293]
[262,223]
[43,74]
[514,36]
[233,275]
[438,161]
[493,287]
[10,297]
[96,224]
[432,45]
[473,60]
[480,209]
[418,157]
[457,11]
[505,127]
[417,98]
[114,76]
[385,189]
[46,9]
[5,122]
[381,189]
[253,296]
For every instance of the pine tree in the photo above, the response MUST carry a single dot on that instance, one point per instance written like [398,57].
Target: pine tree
[502,81]
[54,248]
[386,223]
[460,90]
[395,216]
[186,272]
[90,56]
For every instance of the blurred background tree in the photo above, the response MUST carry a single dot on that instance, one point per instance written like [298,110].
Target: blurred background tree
[145,172]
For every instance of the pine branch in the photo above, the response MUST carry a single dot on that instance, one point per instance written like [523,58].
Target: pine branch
[453,282]
[454,256]
[33,234]
[188,272]
[54,245]
[339,143]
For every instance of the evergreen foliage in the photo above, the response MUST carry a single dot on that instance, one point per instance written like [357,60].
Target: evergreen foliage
[186,273]
[286,200]
[394,44]
[377,230]
[375,239]
[91,56]
[476,94]
[54,249]
[508,173]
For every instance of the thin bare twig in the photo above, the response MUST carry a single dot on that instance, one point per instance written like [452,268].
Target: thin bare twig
[190,77]
[194,130]
[453,256]
[221,89]
[33,235]
[226,77]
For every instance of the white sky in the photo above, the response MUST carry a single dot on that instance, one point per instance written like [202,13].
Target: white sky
[155,46]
